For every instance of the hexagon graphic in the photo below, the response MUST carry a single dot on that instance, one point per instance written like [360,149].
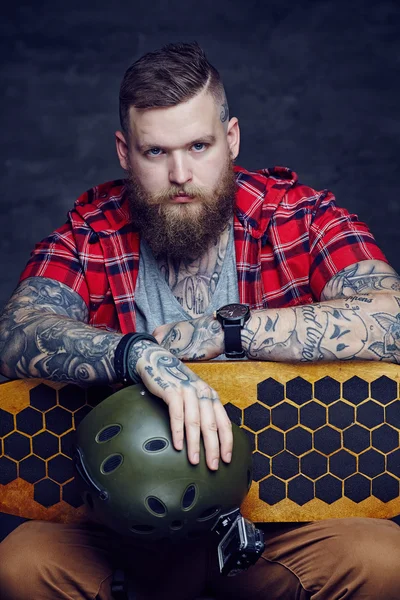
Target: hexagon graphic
[17,445]
[341,415]
[300,490]
[70,494]
[298,441]
[285,465]
[385,438]
[272,490]
[270,441]
[32,469]
[29,420]
[342,464]
[313,415]
[97,393]
[357,487]
[8,470]
[327,440]
[328,489]
[261,466]
[67,443]
[58,420]
[314,465]
[385,487]
[234,413]
[355,390]
[393,414]
[356,438]
[371,463]
[46,492]
[299,390]
[384,389]
[61,468]
[370,414]
[72,397]
[6,422]
[256,416]
[43,397]
[285,416]
[270,392]
[45,444]
[393,463]
[327,390]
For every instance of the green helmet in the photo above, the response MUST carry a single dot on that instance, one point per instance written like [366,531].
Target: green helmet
[138,485]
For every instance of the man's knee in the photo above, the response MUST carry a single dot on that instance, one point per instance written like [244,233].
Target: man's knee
[370,556]
[21,553]
[50,560]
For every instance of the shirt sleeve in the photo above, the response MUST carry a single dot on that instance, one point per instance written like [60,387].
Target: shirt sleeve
[337,239]
[57,257]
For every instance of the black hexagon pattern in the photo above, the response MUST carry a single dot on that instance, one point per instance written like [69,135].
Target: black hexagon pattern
[323,440]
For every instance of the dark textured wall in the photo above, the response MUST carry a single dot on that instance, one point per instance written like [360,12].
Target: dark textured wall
[315,86]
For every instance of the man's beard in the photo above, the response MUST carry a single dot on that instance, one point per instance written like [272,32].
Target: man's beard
[182,230]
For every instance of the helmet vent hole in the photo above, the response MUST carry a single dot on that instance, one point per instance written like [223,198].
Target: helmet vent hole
[189,497]
[176,525]
[156,506]
[111,463]
[209,513]
[155,445]
[108,433]
[141,528]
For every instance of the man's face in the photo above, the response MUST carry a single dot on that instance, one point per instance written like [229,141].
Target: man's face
[181,183]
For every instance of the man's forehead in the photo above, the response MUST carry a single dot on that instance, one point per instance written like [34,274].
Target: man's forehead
[187,121]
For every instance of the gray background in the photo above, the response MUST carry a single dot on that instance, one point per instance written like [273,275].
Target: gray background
[315,86]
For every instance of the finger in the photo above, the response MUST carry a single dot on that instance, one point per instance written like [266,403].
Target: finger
[224,425]
[209,427]
[173,398]
[192,423]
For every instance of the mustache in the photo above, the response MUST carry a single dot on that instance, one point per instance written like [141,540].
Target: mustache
[192,191]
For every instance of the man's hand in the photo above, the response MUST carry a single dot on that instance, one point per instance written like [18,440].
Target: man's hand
[194,407]
[198,339]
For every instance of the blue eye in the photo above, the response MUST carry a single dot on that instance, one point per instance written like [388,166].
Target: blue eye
[154,152]
[199,146]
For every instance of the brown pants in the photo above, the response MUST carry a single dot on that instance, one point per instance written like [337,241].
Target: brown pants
[332,559]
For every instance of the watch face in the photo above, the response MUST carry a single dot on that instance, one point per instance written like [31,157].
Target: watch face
[233,311]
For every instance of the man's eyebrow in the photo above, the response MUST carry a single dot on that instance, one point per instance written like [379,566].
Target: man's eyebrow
[208,139]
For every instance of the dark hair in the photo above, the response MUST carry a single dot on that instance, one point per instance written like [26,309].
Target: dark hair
[167,77]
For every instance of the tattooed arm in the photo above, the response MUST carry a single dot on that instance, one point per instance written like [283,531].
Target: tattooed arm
[359,318]
[44,333]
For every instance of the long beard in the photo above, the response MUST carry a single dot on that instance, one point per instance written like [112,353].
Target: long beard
[182,231]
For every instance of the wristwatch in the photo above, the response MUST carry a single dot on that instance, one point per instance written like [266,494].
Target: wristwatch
[232,318]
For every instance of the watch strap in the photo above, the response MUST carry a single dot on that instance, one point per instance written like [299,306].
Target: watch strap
[233,340]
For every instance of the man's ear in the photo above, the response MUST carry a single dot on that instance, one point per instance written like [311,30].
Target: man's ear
[122,150]
[233,137]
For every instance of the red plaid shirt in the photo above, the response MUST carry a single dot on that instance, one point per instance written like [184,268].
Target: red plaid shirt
[289,239]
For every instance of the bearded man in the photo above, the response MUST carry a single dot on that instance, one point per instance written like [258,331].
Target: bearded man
[139,279]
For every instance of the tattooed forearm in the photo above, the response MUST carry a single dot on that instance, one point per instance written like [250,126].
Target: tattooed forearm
[42,334]
[342,329]
[362,278]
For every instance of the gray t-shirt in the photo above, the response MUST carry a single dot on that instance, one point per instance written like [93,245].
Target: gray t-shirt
[155,303]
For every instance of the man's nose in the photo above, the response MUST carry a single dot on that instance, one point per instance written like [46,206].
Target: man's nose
[179,170]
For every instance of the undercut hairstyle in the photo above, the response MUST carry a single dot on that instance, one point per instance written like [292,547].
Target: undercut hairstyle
[168,76]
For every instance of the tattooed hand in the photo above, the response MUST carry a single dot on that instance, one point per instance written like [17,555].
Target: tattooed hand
[198,339]
[194,407]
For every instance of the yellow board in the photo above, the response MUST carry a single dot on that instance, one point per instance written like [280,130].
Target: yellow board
[325,439]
